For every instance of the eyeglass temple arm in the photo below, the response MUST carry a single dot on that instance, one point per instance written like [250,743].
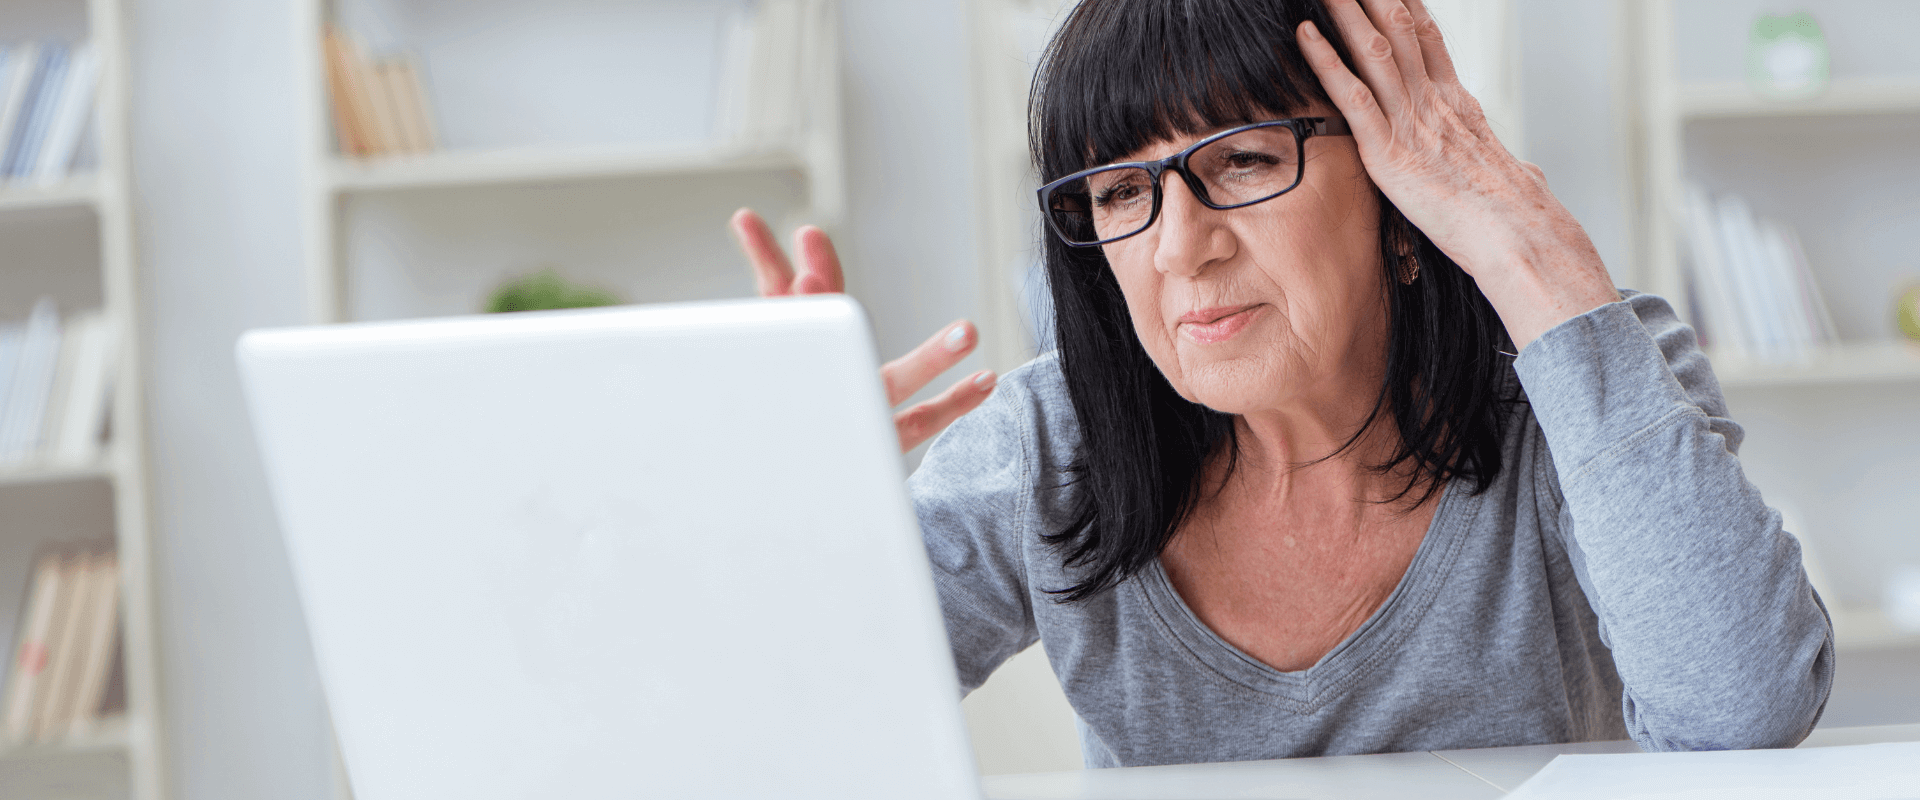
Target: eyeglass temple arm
[1330,126]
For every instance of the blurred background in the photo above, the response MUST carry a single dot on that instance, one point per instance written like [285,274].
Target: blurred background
[175,172]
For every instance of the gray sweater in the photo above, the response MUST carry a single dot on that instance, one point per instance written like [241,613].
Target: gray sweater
[1620,578]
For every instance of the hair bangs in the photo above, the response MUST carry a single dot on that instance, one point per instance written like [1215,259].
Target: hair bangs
[1121,76]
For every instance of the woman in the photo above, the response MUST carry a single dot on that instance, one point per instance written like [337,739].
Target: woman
[1283,489]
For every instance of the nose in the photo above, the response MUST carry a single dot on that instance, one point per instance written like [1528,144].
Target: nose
[1191,235]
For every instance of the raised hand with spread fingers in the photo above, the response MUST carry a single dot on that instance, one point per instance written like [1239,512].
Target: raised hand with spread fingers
[819,273]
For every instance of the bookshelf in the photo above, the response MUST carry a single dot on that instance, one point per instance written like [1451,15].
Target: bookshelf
[72,239]
[30,475]
[1847,363]
[1834,167]
[546,165]
[110,740]
[75,192]
[1845,96]
[792,169]
[541,160]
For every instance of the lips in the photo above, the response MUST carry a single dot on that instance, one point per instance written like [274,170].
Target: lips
[1217,324]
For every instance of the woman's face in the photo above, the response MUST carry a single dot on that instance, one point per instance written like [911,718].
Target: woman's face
[1260,307]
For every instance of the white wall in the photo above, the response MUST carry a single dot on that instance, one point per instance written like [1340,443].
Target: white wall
[909,244]
[217,218]
[1566,90]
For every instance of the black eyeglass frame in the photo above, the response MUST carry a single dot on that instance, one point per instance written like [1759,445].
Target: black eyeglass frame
[1303,128]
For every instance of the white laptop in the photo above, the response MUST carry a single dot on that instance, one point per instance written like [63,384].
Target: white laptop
[617,553]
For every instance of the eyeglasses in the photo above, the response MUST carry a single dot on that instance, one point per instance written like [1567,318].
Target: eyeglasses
[1230,169]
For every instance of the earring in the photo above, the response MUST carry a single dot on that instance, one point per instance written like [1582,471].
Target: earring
[1403,247]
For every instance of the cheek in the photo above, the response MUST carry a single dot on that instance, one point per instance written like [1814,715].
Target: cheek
[1142,285]
[1323,257]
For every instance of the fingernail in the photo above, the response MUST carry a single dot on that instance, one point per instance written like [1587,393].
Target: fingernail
[957,338]
[983,380]
[1311,30]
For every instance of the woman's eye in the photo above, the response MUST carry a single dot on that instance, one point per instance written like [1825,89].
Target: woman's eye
[1245,160]
[1112,195]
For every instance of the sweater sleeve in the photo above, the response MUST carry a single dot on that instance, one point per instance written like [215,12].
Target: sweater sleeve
[1719,639]
[973,494]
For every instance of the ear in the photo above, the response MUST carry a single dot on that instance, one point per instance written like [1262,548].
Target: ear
[1403,239]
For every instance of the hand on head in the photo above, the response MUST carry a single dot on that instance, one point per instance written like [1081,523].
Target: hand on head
[819,273]
[1427,145]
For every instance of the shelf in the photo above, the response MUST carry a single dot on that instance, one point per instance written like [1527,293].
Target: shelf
[29,473]
[1869,362]
[542,165]
[1868,629]
[109,736]
[75,191]
[1724,100]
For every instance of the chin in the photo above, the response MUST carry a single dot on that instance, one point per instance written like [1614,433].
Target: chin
[1230,387]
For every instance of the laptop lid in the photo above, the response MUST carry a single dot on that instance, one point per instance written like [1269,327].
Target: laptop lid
[642,552]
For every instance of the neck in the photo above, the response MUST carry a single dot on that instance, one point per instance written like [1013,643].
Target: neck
[1320,448]
[1279,450]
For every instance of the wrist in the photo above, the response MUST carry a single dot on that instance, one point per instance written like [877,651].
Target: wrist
[1538,282]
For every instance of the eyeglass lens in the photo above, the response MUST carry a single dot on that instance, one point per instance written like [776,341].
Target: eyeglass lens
[1245,168]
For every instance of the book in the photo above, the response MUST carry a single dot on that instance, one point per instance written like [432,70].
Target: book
[764,72]
[814,48]
[1796,314]
[69,119]
[16,79]
[1755,292]
[733,75]
[1720,324]
[397,90]
[30,649]
[77,337]
[778,81]
[53,707]
[343,79]
[39,112]
[384,130]
[65,594]
[415,111]
[36,79]
[67,651]
[1753,303]
[1810,289]
[32,381]
[11,336]
[83,414]
[71,338]
[379,107]
[102,651]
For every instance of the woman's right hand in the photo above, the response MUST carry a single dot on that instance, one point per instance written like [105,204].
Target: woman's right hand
[819,273]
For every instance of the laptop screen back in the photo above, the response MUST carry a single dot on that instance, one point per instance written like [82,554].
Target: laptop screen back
[644,552]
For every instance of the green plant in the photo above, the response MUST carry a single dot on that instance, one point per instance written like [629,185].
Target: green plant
[546,290]
[1907,312]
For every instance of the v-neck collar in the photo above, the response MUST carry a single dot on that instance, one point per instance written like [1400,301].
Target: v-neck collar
[1310,688]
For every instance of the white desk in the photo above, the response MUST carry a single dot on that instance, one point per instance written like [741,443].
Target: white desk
[1445,775]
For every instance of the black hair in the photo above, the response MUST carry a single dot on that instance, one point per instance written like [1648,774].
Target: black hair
[1121,74]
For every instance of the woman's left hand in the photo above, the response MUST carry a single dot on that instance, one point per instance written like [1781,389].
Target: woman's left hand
[1427,145]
